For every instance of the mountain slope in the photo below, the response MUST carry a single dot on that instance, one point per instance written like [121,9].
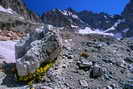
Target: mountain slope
[119,25]
[20,8]
[16,19]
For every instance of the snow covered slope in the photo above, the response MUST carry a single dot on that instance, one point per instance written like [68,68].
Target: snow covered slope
[88,30]
[9,10]
[7,51]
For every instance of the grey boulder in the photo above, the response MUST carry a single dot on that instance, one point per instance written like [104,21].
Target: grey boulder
[34,50]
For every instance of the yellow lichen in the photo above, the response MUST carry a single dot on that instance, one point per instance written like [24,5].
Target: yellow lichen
[37,75]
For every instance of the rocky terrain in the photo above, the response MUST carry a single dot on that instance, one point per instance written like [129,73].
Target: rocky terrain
[20,7]
[92,62]
[69,50]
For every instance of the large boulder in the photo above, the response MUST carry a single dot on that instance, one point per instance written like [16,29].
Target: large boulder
[34,49]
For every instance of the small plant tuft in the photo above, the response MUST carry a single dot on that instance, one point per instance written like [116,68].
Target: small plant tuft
[84,54]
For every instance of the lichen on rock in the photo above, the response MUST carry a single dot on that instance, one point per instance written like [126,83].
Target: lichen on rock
[36,49]
[37,76]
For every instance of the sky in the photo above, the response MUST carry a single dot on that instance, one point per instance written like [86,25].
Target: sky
[107,6]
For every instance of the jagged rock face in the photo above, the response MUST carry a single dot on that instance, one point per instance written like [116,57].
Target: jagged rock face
[127,15]
[19,7]
[35,49]
[61,18]
[70,17]
[55,18]
[95,20]
[16,18]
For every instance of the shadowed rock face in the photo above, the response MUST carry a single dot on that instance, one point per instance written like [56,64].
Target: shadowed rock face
[61,18]
[128,12]
[35,49]
[55,18]
[20,7]
[70,17]
[97,20]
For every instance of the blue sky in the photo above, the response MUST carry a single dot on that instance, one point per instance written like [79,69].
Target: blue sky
[108,6]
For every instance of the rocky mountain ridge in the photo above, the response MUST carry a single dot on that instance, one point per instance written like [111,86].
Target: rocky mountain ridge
[62,18]
[119,25]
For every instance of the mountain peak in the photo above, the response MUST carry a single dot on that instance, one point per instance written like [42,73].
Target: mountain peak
[70,9]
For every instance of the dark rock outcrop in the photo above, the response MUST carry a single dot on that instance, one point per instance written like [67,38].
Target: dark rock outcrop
[97,20]
[62,18]
[127,13]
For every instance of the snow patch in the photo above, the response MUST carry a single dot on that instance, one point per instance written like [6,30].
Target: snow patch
[105,17]
[125,30]
[114,26]
[118,36]
[65,12]
[8,10]
[88,30]
[66,41]
[73,26]
[118,22]
[50,27]
[22,18]
[7,51]
[39,29]
[75,16]
[68,13]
